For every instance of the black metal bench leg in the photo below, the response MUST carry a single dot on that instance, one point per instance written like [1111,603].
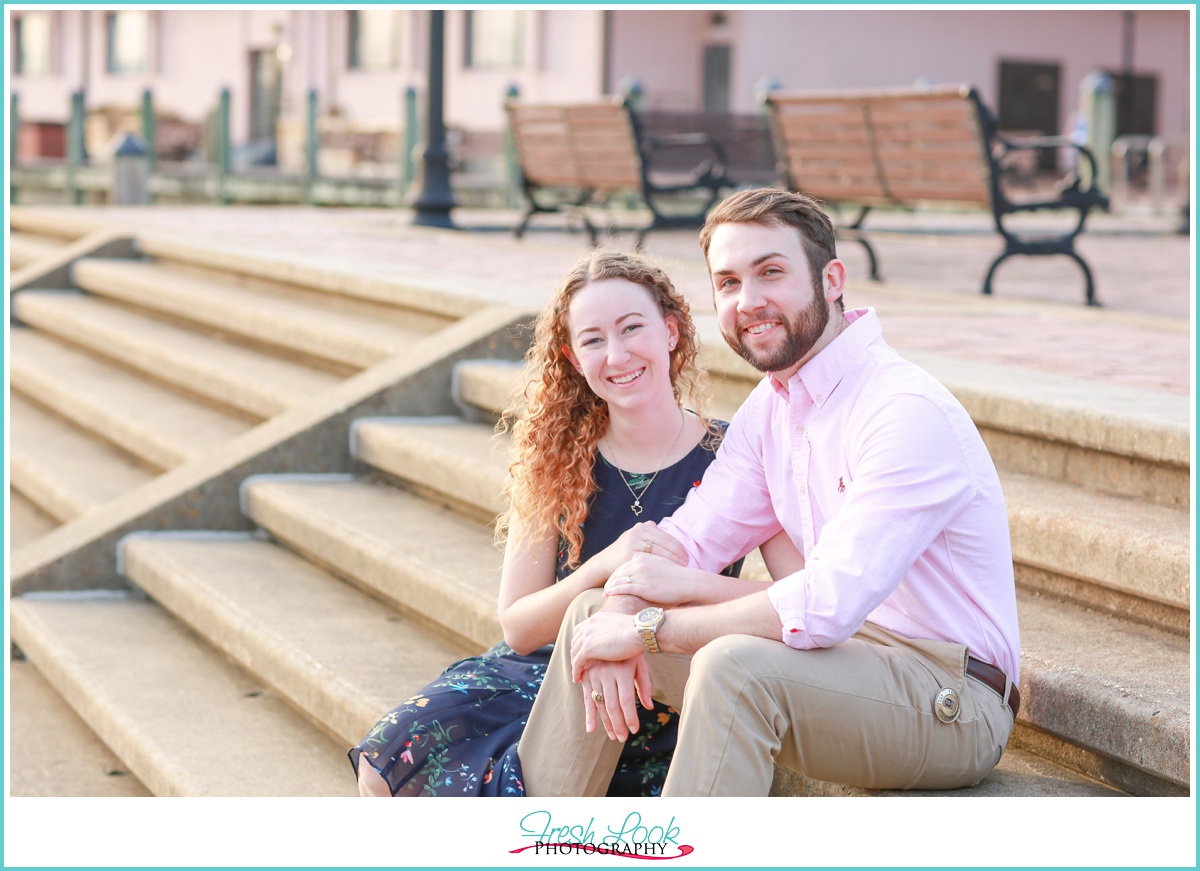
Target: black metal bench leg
[1090,289]
[521,227]
[987,281]
[872,262]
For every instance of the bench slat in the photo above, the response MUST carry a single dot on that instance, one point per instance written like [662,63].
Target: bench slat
[936,134]
[959,152]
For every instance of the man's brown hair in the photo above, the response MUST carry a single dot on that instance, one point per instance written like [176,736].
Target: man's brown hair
[776,207]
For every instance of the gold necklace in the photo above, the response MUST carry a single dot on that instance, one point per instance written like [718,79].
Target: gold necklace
[636,508]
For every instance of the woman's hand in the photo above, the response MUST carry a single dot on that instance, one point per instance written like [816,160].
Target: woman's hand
[641,538]
[656,580]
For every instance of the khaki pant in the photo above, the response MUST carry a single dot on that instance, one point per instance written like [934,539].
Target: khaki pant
[859,713]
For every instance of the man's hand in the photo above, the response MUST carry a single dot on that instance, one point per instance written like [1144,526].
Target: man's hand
[606,636]
[618,682]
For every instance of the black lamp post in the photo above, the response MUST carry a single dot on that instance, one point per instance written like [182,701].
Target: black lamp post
[436,199]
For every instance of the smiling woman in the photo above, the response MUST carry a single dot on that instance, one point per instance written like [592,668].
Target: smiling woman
[602,451]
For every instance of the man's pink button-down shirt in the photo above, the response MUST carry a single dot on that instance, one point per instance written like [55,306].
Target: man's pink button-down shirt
[882,481]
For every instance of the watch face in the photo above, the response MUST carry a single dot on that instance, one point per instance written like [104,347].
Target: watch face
[649,615]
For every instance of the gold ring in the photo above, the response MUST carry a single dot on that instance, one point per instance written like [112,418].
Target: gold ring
[648,546]
[598,697]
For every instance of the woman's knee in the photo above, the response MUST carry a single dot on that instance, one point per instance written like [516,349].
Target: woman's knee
[370,782]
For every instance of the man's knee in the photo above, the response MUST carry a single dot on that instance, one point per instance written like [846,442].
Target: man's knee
[723,659]
[583,606]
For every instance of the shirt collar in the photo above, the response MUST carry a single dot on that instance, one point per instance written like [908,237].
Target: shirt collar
[820,375]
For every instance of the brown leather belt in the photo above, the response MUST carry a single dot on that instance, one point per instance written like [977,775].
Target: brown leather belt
[996,679]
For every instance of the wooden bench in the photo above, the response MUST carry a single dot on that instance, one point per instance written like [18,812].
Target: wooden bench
[913,147]
[572,156]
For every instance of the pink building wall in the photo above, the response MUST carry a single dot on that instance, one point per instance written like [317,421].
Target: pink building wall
[195,52]
[848,48]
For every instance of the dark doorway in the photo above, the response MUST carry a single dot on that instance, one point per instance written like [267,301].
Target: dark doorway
[266,97]
[716,78]
[1137,103]
[1029,103]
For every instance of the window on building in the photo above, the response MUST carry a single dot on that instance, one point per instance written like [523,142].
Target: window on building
[129,41]
[496,38]
[375,39]
[32,38]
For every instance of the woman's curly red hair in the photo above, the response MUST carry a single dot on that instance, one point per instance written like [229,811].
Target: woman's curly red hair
[554,437]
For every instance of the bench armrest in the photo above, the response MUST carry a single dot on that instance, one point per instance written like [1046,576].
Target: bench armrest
[1051,142]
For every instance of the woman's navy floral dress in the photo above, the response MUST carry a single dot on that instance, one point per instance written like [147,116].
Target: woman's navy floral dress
[458,736]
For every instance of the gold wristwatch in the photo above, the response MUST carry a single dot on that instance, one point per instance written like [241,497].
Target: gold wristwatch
[647,622]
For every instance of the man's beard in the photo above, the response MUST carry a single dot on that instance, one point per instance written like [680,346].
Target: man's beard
[801,334]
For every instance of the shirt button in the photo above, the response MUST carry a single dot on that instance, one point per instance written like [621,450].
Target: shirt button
[820,399]
[803,490]
[800,430]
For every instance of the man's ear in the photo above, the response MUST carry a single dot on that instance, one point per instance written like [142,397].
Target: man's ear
[833,279]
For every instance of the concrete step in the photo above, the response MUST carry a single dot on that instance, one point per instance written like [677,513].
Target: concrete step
[456,463]
[1112,553]
[433,564]
[1018,774]
[150,421]
[53,752]
[486,388]
[1117,692]
[26,522]
[63,469]
[335,653]
[26,248]
[449,461]
[239,377]
[184,720]
[1105,437]
[346,659]
[1108,551]
[430,296]
[299,323]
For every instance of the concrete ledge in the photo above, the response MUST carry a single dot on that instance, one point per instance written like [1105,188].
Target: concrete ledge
[228,302]
[1018,774]
[203,493]
[458,464]
[24,249]
[1113,688]
[437,566]
[336,654]
[184,720]
[1119,543]
[424,297]
[1138,424]
[231,375]
[54,273]
[61,222]
[78,765]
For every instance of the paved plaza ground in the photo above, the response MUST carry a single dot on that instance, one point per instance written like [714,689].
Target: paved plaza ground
[933,265]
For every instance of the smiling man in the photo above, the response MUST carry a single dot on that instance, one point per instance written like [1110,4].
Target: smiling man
[886,653]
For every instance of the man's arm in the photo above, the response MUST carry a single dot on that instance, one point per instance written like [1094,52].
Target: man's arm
[730,513]
[610,637]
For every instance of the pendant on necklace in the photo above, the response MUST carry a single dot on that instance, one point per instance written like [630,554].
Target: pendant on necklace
[637,507]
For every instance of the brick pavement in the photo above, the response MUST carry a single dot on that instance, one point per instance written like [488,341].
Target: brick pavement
[933,266]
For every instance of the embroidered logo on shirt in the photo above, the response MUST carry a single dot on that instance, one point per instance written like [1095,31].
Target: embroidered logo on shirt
[841,486]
